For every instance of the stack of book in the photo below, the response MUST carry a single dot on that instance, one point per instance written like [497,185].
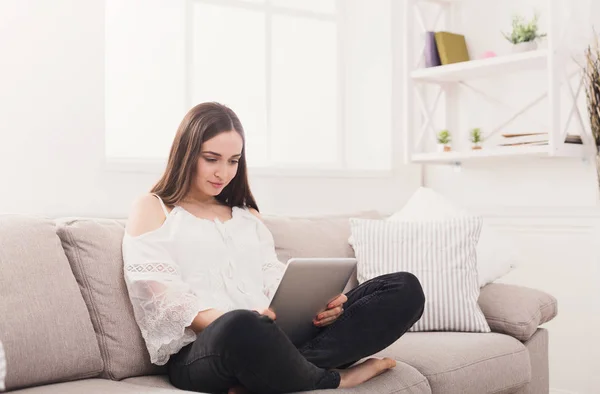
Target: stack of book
[444,47]
[533,139]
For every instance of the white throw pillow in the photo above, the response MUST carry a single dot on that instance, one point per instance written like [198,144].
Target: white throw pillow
[496,254]
[441,253]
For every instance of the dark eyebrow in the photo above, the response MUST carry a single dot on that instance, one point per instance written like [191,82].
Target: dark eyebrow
[219,155]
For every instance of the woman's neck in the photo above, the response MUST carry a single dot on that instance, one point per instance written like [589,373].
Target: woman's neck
[201,199]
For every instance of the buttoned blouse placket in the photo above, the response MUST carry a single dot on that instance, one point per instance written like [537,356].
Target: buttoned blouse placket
[231,268]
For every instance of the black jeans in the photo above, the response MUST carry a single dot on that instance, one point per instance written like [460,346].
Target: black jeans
[243,348]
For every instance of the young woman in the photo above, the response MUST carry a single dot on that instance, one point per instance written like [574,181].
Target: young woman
[201,268]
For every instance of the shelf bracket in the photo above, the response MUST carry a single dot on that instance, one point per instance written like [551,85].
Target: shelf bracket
[519,113]
[428,115]
[499,102]
[574,107]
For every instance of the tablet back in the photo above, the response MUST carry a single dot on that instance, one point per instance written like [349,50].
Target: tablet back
[307,286]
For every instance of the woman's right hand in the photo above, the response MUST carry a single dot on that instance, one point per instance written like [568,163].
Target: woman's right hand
[267,312]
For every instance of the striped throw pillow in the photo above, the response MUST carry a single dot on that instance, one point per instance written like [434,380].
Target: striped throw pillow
[441,253]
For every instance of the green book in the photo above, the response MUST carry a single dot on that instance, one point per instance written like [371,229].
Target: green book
[452,47]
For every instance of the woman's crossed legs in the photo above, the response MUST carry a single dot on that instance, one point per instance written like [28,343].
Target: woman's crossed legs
[242,348]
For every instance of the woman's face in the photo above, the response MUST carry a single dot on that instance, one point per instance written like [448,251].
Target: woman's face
[218,162]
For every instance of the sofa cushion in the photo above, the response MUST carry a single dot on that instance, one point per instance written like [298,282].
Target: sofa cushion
[152,381]
[403,379]
[516,310]
[465,363]
[93,247]
[313,236]
[44,326]
[97,386]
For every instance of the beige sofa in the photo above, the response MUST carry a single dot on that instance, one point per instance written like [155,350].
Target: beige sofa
[67,326]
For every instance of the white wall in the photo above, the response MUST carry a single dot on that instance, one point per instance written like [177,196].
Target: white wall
[52,125]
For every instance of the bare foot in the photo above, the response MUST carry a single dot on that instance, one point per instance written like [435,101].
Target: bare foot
[238,390]
[362,372]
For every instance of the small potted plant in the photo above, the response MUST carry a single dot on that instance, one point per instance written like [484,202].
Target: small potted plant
[476,138]
[443,139]
[524,34]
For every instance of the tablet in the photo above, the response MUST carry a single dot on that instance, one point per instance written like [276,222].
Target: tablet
[307,286]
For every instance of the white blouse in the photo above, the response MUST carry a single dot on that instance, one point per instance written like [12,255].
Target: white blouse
[191,264]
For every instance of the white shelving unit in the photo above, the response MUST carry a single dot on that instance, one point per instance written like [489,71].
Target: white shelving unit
[457,157]
[448,79]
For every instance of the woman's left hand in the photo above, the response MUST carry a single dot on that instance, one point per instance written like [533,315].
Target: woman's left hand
[334,310]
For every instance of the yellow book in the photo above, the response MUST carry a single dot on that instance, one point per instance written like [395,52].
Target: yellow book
[452,47]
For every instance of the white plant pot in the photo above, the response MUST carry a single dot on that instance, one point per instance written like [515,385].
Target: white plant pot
[443,148]
[525,47]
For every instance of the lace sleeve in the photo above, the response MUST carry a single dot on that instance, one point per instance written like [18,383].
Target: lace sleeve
[272,268]
[163,304]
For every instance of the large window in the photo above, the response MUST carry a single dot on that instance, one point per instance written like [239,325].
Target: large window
[309,79]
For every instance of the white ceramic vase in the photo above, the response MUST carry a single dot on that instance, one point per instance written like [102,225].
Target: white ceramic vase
[524,47]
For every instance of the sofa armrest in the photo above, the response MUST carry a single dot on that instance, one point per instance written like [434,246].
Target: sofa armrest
[516,310]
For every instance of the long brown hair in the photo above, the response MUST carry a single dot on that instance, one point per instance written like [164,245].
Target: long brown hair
[201,123]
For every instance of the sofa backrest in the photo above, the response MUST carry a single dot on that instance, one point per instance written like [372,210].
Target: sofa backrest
[315,236]
[44,323]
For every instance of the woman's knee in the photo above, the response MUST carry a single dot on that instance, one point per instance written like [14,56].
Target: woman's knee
[410,287]
[236,320]
[239,323]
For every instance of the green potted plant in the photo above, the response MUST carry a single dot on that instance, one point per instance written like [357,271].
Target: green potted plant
[476,138]
[443,139]
[524,33]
